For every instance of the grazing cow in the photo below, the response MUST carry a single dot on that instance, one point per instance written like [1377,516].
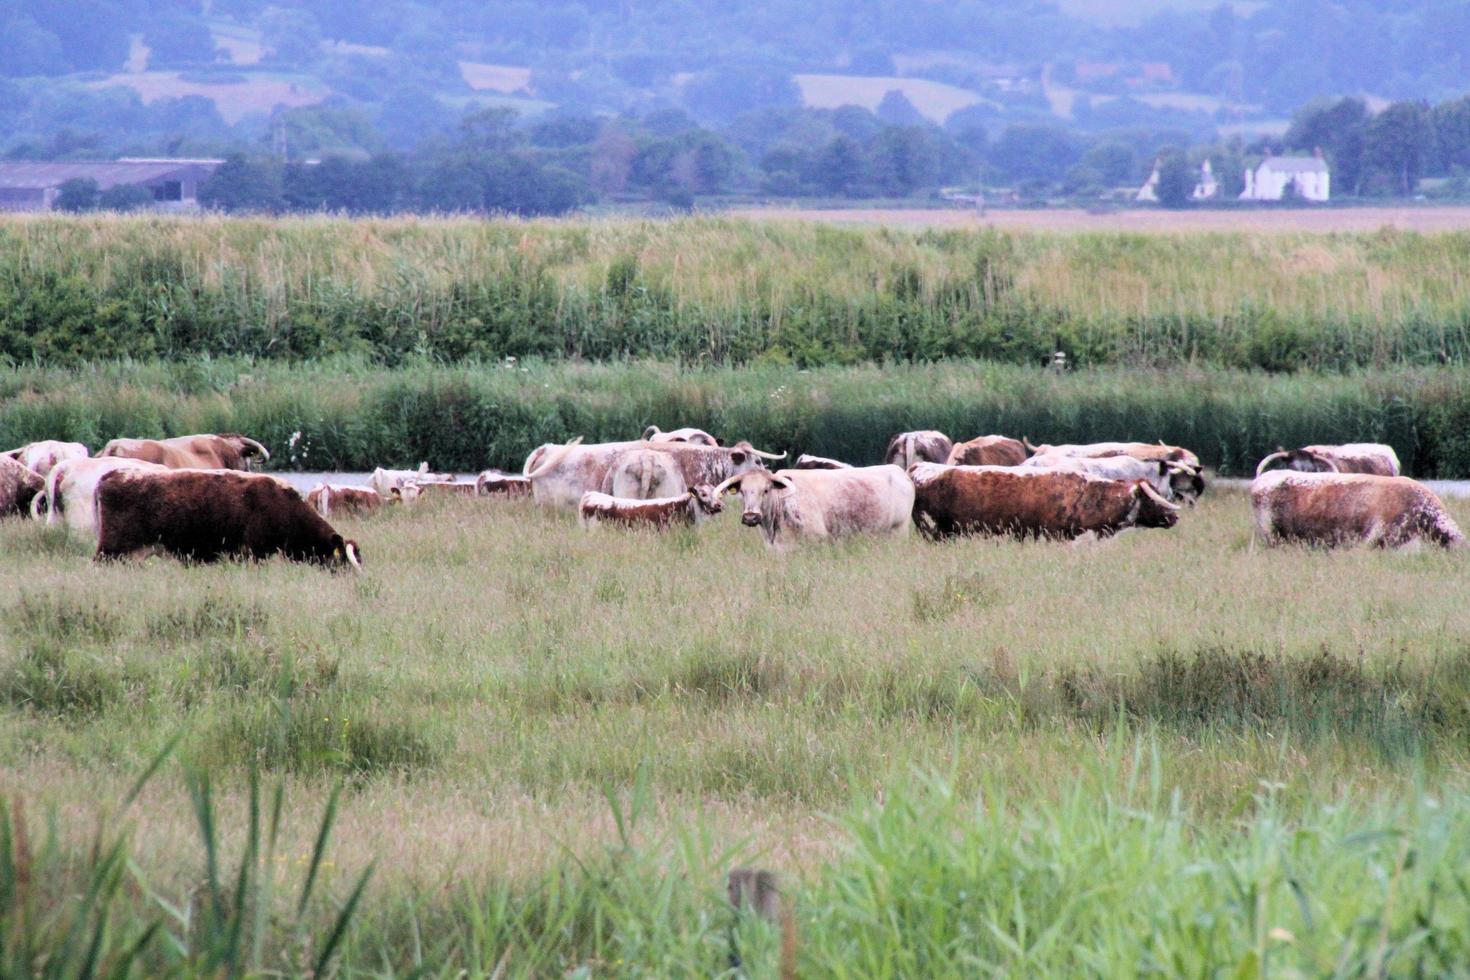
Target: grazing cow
[792,505]
[1147,451]
[71,490]
[42,457]
[559,475]
[339,498]
[386,481]
[494,483]
[908,448]
[437,489]
[229,451]
[1354,457]
[698,437]
[643,474]
[988,451]
[202,515]
[19,486]
[806,462]
[1174,480]
[1349,508]
[698,504]
[1032,501]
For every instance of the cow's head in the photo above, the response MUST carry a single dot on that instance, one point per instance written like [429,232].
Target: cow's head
[405,494]
[1300,460]
[1185,482]
[756,488]
[345,553]
[707,498]
[1150,509]
[744,457]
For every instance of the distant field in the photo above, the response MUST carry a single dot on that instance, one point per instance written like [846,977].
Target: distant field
[494,78]
[257,93]
[935,100]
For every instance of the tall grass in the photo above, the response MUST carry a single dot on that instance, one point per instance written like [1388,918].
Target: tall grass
[347,414]
[723,291]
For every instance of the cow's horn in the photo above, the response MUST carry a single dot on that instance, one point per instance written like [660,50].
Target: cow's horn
[1029,448]
[1278,454]
[1158,498]
[1332,464]
[650,432]
[724,488]
[765,455]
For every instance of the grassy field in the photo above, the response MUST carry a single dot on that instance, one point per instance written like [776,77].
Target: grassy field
[1171,752]
[724,291]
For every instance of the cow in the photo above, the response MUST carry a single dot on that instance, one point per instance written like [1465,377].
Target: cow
[560,474]
[1354,457]
[816,505]
[1174,480]
[71,490]
[386,481]
[41,457]
[436,489]
[987,451]
[926,446]
[806,462]
[228,451]
[698,437]
[339,498]
[1346,508]
[689,508]
[19,486]
[204,515]
[494,483]
[643,474]
[1032,502]
[1147,451]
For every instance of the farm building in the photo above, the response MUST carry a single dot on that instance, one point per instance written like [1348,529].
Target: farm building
[1206,189]
[1270,179]
[27,185]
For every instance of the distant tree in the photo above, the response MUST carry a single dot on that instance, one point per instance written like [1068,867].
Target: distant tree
[1114,162]
[871,61]
[93,34]
[1451,123]
[292,36]
[1029,150]
[410,115]
[426,52]
[1228,163]
[897,110]
[1176,178]
[611,164]
[77,194]
[1337,128]
[562,130]
[901,160]
[1396,144]
[722,94]
[493,130]
[28,49]
[240,184]
[125,197]
[1083,181]
[784,169]
[668,122]
[179,41]
[839,168]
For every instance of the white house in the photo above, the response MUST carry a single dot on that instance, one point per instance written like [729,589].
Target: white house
[1207,188]
[1270,179]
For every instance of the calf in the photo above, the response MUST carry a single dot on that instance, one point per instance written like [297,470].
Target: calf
[337,498]
[438,489]
[1354,457]
[1032,502]
[42,457]
[1349,508]
[988,451]
[698,437]
[698,504]
[19,486]
[203,515]
[792,505]
[925,446]
[494,483]
[228,451]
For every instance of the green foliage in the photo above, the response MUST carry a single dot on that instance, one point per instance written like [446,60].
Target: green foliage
[77,194]
[1176,179]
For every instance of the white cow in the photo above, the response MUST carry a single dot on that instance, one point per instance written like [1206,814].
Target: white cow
[41,457]
[71,490]
[793,505]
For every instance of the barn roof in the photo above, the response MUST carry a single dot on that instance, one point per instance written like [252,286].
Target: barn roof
[35,175]
[1294,165]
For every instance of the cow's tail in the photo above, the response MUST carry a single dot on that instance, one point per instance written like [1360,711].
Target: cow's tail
[551,458]
[47,498]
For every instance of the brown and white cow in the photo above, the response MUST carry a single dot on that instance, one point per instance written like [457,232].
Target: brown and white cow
[41,457]
[226,451]
[815,505]
[1032,502]
[808,462]
[386,481]
[1173,479]
[1148,451]
[496,483]
[644,474]
[698,437]
[689,508]
[340,498]
[203,515]
[1354,457]
[19,486]
[561,474]
[1349,508]
[71,490]
[925,446]
[988,451]
[436,490]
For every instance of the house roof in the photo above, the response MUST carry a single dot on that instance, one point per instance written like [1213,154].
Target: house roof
[34,175]
[1295,165]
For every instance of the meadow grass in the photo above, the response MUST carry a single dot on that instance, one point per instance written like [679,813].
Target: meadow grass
[348,414]
[1173,752]
[724,291]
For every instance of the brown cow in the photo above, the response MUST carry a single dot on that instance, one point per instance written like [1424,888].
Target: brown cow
[229,451]
[926,446]
[338,498]
[698,437]
[698,504]
[439,488]
[1026,502]
[1354,457]
[202,515]
[806,462]
[19,485]
[1349,508]
[791,505]
[495,483]
[988,451]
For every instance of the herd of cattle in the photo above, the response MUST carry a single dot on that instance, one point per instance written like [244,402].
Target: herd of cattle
[193,496]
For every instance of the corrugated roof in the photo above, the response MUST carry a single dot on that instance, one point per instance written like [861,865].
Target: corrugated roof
[1294,164]
[23,173]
